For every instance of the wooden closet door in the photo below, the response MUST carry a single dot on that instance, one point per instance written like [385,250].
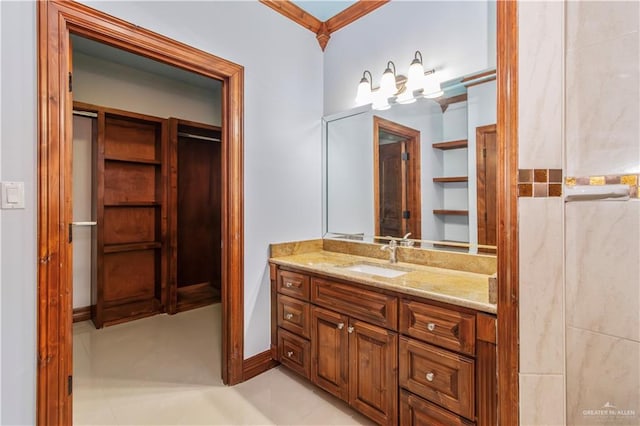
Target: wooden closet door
[131,213]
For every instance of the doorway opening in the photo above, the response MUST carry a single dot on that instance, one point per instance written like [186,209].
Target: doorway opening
[57,20]
[396,179]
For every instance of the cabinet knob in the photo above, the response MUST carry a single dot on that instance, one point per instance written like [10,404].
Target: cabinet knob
[288,315]
[350,329]
[431,326]
[288,284]
[340,326]
[289,354]
[430,377]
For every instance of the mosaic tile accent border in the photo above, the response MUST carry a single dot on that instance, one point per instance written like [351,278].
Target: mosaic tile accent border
[540,183]
[633,180]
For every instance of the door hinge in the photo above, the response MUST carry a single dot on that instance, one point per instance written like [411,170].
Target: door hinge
[405,156]
[69,385]
[406,214]
[70,233]
[70,82]
[484,152]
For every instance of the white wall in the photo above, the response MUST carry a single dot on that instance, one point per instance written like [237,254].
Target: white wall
[394,32]
[100,82]
[283,106]
[18,240]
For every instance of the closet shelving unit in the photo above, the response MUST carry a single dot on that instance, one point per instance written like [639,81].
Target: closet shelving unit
[445,146]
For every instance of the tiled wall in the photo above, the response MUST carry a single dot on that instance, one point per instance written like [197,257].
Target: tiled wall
[542,357]
[602,250]
[579,261]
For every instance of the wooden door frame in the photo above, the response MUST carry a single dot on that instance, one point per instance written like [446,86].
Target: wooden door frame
[507,198]
[413,174]
[56,20]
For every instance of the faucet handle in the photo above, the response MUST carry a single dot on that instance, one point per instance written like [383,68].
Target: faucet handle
[405,242]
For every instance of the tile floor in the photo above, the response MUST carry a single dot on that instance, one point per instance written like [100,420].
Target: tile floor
[166,370]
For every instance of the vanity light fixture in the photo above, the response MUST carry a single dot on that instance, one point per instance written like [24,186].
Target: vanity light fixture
[398,88]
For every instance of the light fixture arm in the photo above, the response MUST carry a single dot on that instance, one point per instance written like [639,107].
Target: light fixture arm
[365,80]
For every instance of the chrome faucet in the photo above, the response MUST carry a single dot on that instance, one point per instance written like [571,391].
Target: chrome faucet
[405,242]
[392,246]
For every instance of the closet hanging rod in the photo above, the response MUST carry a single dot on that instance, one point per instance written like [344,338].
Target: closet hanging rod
[204,138]
[85,113]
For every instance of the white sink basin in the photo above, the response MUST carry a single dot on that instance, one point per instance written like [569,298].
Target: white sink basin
[368,268]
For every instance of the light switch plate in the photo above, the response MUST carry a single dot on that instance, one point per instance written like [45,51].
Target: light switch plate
[12,195]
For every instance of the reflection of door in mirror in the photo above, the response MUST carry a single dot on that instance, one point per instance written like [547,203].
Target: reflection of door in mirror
[486,150]
[397,198]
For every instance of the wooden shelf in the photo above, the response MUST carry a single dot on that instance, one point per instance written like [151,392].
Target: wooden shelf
[131,160]
[462,143]
[118,248]
[452,212]
[134,204]
[451,179]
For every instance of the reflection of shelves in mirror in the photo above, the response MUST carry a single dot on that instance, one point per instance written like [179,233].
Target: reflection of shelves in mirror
[449,179]
[459,144]
[124,159]
[452,212]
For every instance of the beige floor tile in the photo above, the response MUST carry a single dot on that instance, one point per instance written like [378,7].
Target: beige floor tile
[166,370]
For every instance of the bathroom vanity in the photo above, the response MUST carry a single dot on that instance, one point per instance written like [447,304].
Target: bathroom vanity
[405,343]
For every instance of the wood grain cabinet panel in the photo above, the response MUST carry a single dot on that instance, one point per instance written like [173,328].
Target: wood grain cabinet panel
[294,352]
[376,308]
[131,225]
[415,411]
[293,284]
[130,183]
[330,351]
[294,315]
[438,375]
[443,327]
[373,368]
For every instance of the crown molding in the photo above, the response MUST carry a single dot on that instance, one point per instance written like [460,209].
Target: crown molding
[323,30]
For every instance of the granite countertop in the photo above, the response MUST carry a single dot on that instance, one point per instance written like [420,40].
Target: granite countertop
[461,288]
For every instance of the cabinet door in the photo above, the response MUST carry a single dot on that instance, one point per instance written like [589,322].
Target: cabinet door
[329,349]
[373,368]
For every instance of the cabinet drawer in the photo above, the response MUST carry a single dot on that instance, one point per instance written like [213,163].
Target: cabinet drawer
[370,306]
[293,315]
[440,326]
[416,411]
[294,352]
[438,375]
[293,284]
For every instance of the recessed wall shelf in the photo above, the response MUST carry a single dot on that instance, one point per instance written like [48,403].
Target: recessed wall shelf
[452,212]
[451,179]
[462,143]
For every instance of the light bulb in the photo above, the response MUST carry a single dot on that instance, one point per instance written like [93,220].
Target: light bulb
[388,83]
[431,86]
[364,92]
[380,101]
[406,97]
[415,75]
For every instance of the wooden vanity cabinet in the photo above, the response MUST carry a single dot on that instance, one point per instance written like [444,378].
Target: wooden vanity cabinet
[394,358]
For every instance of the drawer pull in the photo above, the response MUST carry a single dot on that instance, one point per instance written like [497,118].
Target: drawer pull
[430,376]
[350,329]
[288,284]
[340,326]
[431,326]
[288,315]
[290,354]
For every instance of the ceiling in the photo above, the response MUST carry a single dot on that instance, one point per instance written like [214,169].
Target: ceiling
[122,57]
[322,9]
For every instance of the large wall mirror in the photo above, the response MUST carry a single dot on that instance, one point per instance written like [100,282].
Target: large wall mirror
[426,168]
